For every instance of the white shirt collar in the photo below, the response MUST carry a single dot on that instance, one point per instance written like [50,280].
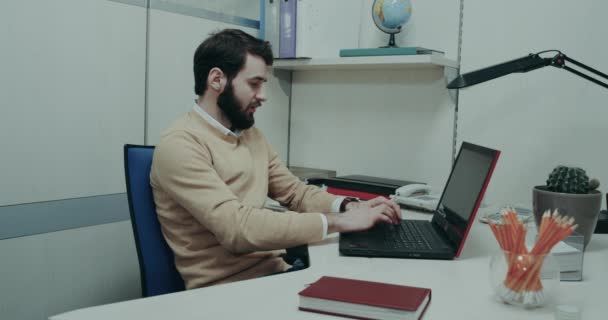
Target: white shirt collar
[214,122]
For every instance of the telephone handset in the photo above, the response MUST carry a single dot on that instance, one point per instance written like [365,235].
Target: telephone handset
[416,196]
[411,190]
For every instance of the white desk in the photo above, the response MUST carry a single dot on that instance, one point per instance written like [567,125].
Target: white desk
[460,288]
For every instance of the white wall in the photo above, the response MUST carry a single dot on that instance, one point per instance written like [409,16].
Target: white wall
[394,124]
[72,88]
[545,117]
[345,24]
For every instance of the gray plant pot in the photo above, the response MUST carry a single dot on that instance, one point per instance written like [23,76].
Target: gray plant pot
[584,208]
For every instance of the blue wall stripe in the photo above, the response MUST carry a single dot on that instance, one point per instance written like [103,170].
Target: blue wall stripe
[139,3]
[49,216]
[203,13]
[262,29]
[195,12]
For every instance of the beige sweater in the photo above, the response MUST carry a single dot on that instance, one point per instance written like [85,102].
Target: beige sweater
[210,188]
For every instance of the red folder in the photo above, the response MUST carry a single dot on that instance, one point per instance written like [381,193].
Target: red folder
[338,296]
[360,186]
[353,193]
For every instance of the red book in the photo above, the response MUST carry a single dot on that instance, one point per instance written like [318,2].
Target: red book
[364,299]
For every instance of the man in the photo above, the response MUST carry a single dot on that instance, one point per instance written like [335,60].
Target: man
[212,171]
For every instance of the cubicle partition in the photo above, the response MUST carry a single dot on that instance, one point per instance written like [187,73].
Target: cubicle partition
[79,79]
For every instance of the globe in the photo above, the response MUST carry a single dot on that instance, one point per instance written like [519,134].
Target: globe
[390,16]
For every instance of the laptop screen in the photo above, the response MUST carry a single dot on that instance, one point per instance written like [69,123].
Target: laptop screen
[464,190]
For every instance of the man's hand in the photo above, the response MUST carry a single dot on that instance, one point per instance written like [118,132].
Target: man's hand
[364,215]
[393,211]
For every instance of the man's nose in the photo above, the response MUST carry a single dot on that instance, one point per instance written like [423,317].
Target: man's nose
[261,95]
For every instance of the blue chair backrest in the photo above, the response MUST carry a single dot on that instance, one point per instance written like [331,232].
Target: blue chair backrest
[156,260]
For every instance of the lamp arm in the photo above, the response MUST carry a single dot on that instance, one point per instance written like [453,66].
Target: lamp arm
[559,61]
[525,64]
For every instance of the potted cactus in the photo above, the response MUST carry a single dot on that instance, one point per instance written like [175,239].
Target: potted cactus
[572,193]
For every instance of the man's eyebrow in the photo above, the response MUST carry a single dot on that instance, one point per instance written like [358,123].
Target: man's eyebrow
[259,78]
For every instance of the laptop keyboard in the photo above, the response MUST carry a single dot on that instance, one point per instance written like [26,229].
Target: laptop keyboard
[407,235]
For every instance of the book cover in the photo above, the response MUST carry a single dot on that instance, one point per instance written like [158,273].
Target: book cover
[363,52]
[271,24]
[287,28]
[364,299]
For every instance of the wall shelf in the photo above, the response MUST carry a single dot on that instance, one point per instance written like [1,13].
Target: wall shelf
[371,62]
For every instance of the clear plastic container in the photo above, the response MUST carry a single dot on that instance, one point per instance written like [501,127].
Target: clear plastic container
[525,280]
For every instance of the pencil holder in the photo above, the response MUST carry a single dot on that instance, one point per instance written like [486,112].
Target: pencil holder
[524,279]
[527,276]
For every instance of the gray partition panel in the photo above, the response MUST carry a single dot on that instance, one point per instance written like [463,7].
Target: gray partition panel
[204,13]
[49,216]
[139,3]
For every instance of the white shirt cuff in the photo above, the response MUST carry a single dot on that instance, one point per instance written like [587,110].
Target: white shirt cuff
[335,206]
[325,225]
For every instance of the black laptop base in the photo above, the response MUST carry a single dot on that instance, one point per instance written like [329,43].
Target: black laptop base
[397,255]
[373,243]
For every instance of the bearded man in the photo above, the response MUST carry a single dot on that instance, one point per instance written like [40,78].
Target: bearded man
[213,170]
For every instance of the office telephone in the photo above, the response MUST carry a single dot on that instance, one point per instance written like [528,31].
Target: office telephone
[413,190]
[416,196]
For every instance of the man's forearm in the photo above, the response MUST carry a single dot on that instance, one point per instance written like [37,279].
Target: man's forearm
[334,223]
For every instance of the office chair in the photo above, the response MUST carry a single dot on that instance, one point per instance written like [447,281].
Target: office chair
[156,261]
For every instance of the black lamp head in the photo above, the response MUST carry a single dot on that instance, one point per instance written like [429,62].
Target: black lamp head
[523,64]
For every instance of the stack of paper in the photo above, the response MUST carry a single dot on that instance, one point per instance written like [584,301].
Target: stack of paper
[568,253]
[570,260]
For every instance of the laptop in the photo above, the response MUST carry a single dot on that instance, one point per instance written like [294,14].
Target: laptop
[443,237]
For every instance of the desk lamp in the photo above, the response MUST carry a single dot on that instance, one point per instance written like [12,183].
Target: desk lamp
[524,64]
[528,63]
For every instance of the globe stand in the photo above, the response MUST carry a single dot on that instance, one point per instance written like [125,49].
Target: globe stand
[391,42]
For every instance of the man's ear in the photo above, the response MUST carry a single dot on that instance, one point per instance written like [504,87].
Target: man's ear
[216,80]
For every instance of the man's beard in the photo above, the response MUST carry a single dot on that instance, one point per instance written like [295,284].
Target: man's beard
[232,109]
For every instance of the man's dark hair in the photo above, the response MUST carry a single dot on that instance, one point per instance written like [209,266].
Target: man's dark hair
[228,51]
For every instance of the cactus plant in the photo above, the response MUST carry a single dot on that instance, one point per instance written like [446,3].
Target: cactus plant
[570,180]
